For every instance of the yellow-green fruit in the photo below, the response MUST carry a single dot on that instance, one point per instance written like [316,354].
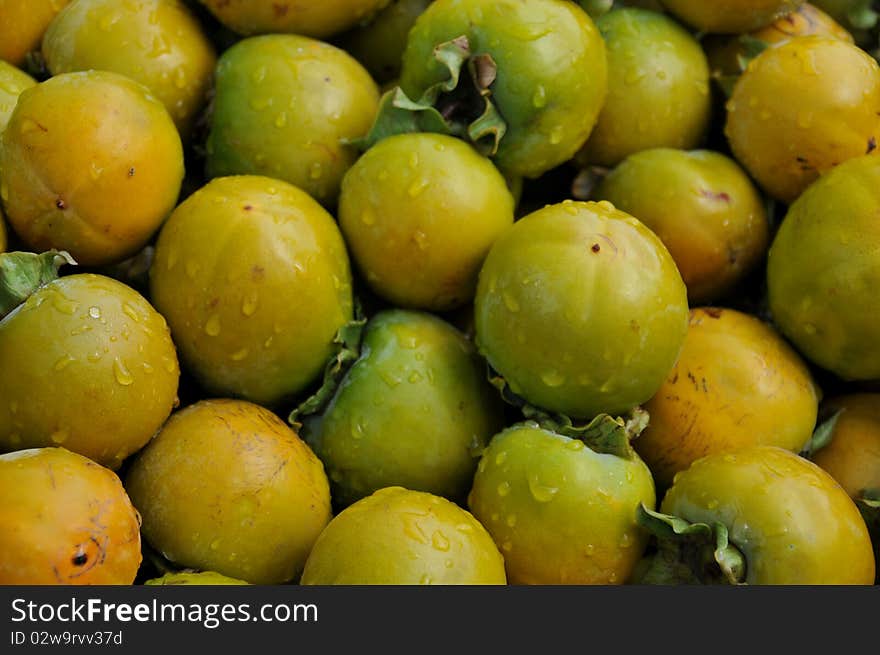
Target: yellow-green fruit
[791,521]
[2,234]
[802,108]
[704,208]
[90,163]
[88,364]
[316,19]
[253,277]
[22,24]
[66,521]
[658,88]
[12,82]
[737,383]
[194,578]
[284,106]
[397,536]
[729,16]
[226,486]
[158,43]
[852,457]
[419,213]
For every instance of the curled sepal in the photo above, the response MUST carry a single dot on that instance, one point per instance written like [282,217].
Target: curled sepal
[596,8]
[586,181]
[689,553]
[869,506]
[459,105]
[822,435]
[604,433]
[348,349]
[22,273]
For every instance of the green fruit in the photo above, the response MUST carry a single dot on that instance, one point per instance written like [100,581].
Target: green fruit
[658,88]
[581,309]
[857,16]
[397,536]
[704,208]
[283,107]
[158,43]
[419,213]
[561,512]
[88,364]
[315,19]
[550,77]
[414,410]
[226,486]
[12,82]
[729,16]
[800,109]
[90,163]
[254,279]
[194,578]
[822,272]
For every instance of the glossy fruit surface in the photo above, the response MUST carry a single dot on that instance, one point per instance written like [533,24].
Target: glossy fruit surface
[226,486]
[581,309]
[22,24]
[88,364]
[397,536]
[194,578]
[12,82]
[729,16]
[420,212]
[254,279]
[66,521]
[90,163]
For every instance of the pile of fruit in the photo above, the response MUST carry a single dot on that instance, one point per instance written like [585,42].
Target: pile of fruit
[439,292]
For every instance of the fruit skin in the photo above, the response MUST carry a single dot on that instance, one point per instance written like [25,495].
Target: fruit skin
[91,163]
[581,309]
[226,486]
[22,24]
[398,536]
[800,109]
[552,74]
[658,88]
[822,275]
[315,19]
[852,457]
[85,362]
[12,82]
[414,410]
[792,521]
[66,521]
[737,383]
[253,277]
[2,234]
[561,512]
[419,213]
[704,208]
[123,36]
[283,106]
[194,578]
[729,16]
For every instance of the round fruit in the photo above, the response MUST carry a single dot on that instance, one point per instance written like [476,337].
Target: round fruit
[822,272]
[414,410]
[737,383]
[22,24]
[254,279]
[85,362]
[800,109]
[12,82]
[420,212]
[90,163]
[226,486]
[316,19]
[852,456]
[730,16]
[550,78]
[658,88]
[581,309]
[789,520]
[397,536]
[66,521]
[283,106]
[194,578]
[561,512]
[704,208]
[158,43]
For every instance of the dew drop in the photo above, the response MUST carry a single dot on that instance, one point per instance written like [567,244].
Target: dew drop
[123,375]
[212,326]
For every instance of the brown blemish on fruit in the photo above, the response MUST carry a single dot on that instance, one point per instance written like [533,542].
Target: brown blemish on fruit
[872,145]
[595,247]
[61,204]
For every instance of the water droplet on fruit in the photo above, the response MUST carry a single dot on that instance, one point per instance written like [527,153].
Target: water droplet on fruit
[417,187]
[239,355]
[63,362]
[575,444]
[511,520]
[500,457]
[123,375]
[249,304]
[368,217]
[539,99]
[281,120]
[543,493]
[440,541]
[553,378]
[510,301]
[503,489]
[212,325]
